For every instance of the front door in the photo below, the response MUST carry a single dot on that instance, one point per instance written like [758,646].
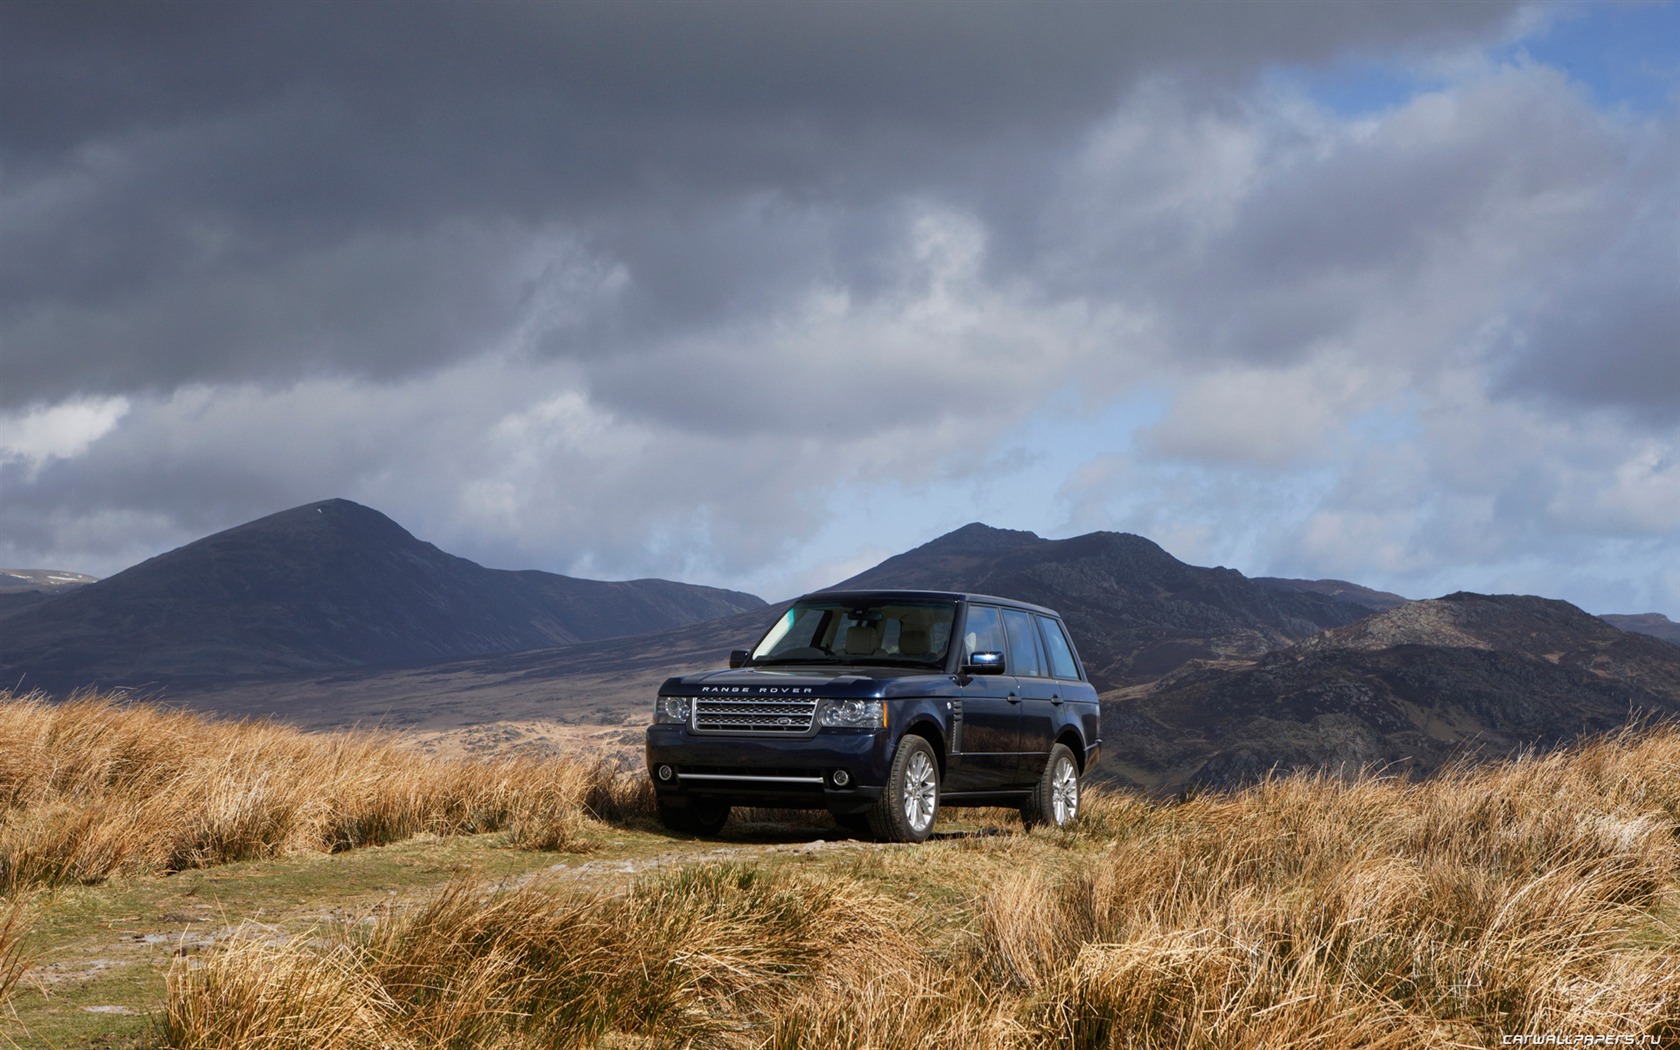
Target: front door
[991,713]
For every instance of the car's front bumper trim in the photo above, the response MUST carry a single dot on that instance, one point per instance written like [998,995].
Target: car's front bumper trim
[751,777]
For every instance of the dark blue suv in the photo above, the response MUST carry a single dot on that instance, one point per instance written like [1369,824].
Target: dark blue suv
[881,706]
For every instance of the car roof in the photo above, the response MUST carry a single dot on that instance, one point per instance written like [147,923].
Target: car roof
[874,594]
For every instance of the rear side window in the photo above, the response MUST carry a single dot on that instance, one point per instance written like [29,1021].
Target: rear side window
[1062,663]
[1023,644]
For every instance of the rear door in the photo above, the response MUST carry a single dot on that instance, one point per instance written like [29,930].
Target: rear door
[1039,694]
[1078,697]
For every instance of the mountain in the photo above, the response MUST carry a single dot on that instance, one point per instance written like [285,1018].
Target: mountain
[1136,612]
[1406,690]
[325,586]
[1654,624]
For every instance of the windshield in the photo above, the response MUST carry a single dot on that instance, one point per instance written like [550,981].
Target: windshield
[884,632]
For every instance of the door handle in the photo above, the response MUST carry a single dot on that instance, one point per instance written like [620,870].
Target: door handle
[1057,700]
[1014,699]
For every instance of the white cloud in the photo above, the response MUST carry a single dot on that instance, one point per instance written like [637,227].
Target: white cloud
[63,431]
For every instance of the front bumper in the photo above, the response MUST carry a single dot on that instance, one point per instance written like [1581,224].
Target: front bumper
[780,773]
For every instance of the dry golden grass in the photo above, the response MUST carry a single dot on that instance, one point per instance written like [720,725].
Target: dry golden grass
[704,955]
[1310,912]
[1523,898]
[1529,897]
[96,787]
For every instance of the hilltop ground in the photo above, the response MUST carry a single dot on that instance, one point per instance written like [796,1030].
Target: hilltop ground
[175,882]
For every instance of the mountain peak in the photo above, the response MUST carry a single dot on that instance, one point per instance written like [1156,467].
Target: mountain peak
[979,537]
[337,513]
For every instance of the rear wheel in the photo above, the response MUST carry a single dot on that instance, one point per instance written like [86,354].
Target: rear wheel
[1055,798]
[908,807]
[700,817]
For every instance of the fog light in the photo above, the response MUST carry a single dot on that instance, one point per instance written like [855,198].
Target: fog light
[666,772]
[841,778]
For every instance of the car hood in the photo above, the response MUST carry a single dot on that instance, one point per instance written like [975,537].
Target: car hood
[848,682]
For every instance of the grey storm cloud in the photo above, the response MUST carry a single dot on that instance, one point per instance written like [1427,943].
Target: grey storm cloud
[672,288]
[222,192]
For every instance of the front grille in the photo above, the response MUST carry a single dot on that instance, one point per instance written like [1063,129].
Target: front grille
[753,716]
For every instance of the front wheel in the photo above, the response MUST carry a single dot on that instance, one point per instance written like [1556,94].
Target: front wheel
[908,806]
[1055,798]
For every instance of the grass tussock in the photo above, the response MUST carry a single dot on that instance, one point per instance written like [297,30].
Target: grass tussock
[1531,897]
[1508,899]
[704,955]
[96,787]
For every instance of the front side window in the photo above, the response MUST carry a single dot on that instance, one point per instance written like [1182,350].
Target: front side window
[884,632]
[984,632]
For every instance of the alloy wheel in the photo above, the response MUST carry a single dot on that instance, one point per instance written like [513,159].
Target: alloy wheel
[921,792]
[1064,792]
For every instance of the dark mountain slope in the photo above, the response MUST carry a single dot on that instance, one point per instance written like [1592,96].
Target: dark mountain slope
[1135,610]
[1407,689]
[328,585]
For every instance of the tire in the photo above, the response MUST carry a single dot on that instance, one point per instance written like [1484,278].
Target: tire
[701,817]
[910,804]
[1055,798]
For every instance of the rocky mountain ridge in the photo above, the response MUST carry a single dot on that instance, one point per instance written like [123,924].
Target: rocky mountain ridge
[1403,691]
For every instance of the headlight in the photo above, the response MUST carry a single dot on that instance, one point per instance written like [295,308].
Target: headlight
[851,714]
[671,709]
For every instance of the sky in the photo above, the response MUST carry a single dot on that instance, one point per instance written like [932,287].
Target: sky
[758,294]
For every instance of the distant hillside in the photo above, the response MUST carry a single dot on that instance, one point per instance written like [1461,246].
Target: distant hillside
[1136,611]
[45,580]
[324,586]
[1406,690]
[1376,601]
[1654,624]
[26,588]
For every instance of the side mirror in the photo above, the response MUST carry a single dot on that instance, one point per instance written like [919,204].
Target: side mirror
[984,663]
[740,657]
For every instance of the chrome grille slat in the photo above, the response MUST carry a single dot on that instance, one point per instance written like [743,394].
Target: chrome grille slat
[737,715]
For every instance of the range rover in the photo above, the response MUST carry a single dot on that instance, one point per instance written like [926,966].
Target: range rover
[882,707]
